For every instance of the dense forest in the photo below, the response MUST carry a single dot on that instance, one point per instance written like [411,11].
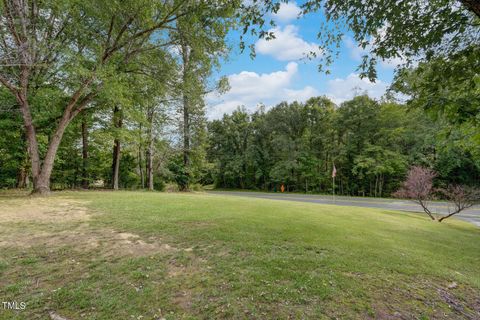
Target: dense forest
[118,100]
[372,144]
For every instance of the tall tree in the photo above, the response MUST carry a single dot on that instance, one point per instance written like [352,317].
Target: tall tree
[73,45]
[201,44]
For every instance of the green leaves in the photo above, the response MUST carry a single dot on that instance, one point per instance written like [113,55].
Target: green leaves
[411,30]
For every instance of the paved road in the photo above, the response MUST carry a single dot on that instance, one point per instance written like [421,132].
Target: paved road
[471,215]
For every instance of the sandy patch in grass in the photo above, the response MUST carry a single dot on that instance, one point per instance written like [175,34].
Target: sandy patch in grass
[43,210]
[183,299]
[125,243]
[56,223]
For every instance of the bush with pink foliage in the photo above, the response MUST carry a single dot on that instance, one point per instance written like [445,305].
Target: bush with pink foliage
[418,187]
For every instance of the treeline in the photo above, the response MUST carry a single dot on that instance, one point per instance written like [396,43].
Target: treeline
[372,145]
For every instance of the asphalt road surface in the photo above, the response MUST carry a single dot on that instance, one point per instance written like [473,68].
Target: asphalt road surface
[471,215]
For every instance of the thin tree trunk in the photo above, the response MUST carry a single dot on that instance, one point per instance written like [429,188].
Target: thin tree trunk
[140,167]
[448,216]
[150,165]
[85,179]
[140,158]
[149,153]
[381,184]
[186,125]
[117,122]
[425,208]
[186,141]
[186,132]
[116,163]
[22,177]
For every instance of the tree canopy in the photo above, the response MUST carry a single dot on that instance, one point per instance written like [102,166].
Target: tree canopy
[405,31]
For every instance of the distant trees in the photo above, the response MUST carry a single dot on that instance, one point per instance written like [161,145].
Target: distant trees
[371,143]
[230,150]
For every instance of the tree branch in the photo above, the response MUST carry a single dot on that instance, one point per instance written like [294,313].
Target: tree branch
[14,89]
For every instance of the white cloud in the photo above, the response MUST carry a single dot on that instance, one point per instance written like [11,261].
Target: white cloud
[287,12]
[357,52]
[250,89]
[392,63]
[340,90]
[287,45]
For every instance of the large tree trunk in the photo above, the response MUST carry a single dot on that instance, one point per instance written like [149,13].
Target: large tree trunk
[41,172]
[149,153]
[85,179]
[117,122]
[43,180]
[32,144]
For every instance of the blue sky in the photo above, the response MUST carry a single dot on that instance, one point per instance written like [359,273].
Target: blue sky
[279,73]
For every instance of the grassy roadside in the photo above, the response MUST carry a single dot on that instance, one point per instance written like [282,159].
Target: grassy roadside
[314,194]
[190,256]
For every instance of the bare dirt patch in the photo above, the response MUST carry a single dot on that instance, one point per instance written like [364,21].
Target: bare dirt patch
[184,300]
[125,243]
[55,223]
[43,210]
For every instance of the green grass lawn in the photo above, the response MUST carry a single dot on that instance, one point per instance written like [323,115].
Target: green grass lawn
[139,255]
